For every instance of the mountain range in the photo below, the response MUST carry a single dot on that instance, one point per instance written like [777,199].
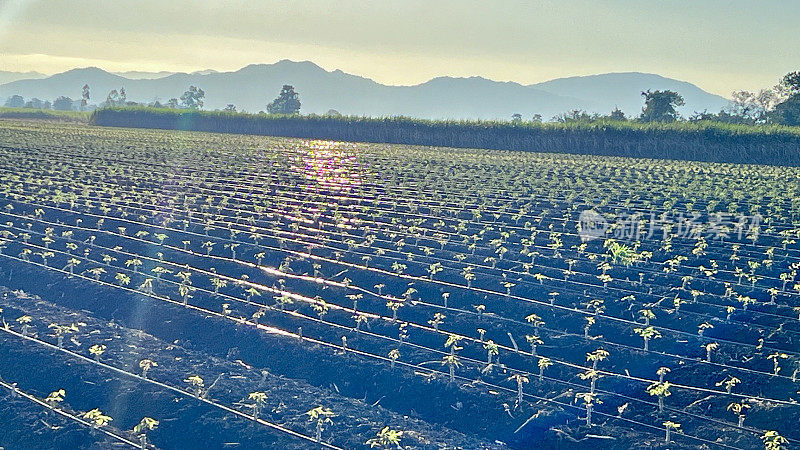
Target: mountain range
[142,75]
[8,77]
[252,87]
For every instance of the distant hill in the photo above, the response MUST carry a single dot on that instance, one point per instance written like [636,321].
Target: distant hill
[624,91]
[8,77]
[252,87]
[68,83]
[140,75]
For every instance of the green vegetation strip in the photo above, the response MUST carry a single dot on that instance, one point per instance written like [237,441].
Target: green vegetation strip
[41,114]
[703,141]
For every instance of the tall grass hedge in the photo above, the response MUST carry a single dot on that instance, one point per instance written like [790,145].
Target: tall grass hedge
[702,141]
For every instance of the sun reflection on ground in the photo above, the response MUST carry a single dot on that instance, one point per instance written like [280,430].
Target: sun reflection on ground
[329,163]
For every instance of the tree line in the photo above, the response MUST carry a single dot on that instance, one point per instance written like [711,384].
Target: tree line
[287,102]
[779,104]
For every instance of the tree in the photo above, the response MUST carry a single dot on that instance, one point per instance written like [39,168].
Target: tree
[543,363]
[394,354]
[520,379]
[112,99]
[647,334]
[491,350]
[36,103]
[617,114]
[25,321]
[729,115]
[84,96]
[452,362]
[173,103]
[63,104]
[596,356]
[193,98]
[15,101]
[333,113]
[740,409]
[288,102]
[589,400]
[230,107]
[97,350]
[747,105]
[787,112]
[757,107]
[791,82]
[576,115]
[59,331]
[659,106]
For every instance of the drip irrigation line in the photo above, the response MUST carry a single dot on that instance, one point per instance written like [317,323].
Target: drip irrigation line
[17,391]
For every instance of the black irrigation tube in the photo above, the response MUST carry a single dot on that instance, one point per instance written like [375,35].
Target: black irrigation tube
[359,200]
[17,391]
[440,259]
[415,200]
[791,318]
[648,271]
[478,363]
[353,199]
[335,325]
[266,423]
[360,267]
[450,235]
[586,313]
[346,264]
[761,313]
[278,331]
[382,358]
[512,226]
[333,283]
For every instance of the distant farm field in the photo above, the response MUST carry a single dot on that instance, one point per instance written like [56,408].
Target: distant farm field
[263,292]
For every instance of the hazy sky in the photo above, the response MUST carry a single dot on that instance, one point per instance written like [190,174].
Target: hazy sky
[718,45]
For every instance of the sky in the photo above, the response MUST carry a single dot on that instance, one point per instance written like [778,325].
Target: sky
[721,46]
